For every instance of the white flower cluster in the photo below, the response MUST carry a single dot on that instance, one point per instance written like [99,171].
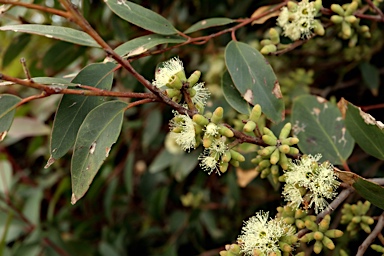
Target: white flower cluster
[263,235]
[169,69]
[298,20]
[211,156]
[183,131]
[310,183]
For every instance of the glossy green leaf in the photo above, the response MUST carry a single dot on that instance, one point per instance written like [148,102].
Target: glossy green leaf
[96,135]
[142,44]
[320,128]
[73,108]
[254,79]
[54,81]
[8,104]
[367,189]
[371,76]
[207,23]
[141,17]
[368,133]
[232,95]
[16,46]
[61,33]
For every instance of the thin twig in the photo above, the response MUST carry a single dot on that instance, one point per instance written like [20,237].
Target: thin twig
[364,246]
[25,69]
[37,7]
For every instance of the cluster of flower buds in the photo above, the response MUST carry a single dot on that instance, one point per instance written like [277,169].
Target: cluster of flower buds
[355,216]
[216,156]
[231,250]
[321,234]
[293,216]
[270,157]
[350,27]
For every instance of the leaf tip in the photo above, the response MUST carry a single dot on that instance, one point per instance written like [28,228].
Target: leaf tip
[2,135]
[73,199]
[50,161]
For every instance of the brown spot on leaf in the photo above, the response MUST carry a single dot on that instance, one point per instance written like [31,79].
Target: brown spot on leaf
[368,119]
[203,22]
[348,177]
[50,161]
[248,96]
[342,105]
[276,90]
[320,99]
[73,199]
[2,135]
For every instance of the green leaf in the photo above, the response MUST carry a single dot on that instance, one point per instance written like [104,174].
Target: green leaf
[207,23]
[371,77]
[142,44]
[16,46]
[367,189]
[54,81]
[128,173]
[320,128]
[368,133]
[232,95]
[61,33]
[98,132]
[152,127]
[8,104]
[254,79]
[73,108]
[6,177]
[141,17]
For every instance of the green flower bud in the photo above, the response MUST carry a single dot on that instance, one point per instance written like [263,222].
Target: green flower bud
[351,226]
[198,128]
[257,159]
[207,141]
[290,141]
[200,119]
[333,233]
[356,219]
[275,157]
[318,5]
[275,170]
[283,161]
[255,113]
[367,220]
[192,80]
[318,235]
[289,220]
[293,151]
[311,225]
[269,140]
[317,247]
[237,156]
[352,7]
[267,131]
[299,213]
[173,93]
[300,224]
[192,92]
[175,83]
[353,41]
[337,9]
[223,166]
[226,156]
[264,164]
[300,254]
[181,76]
[336,19]
[365,227]
[284,149]
[234,163]
[266,151]
[177,98]
[350,19]
[285,131]
[265,42]
[217,115]
[274,35]
[318,28]
[268,49]
[265,172]
[377,248]
[324,223]
[225,131]
[249,126]
[285,247]
[292,6]
[327,242]
[364,28]
[346,30]
[307,237]
[235,248]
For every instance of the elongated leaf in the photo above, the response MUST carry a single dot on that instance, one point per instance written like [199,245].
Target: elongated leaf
[73,108]
[371,77]
[54,81]
[254,79]
[368,133]
[320,128]
[141,17]
[144,43]
[207,23]
[96,135]
[15,48]
[232,95]
[8,104]
[367,189]
[61,33]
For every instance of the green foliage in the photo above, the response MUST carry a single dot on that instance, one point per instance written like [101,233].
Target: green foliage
[135,153]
